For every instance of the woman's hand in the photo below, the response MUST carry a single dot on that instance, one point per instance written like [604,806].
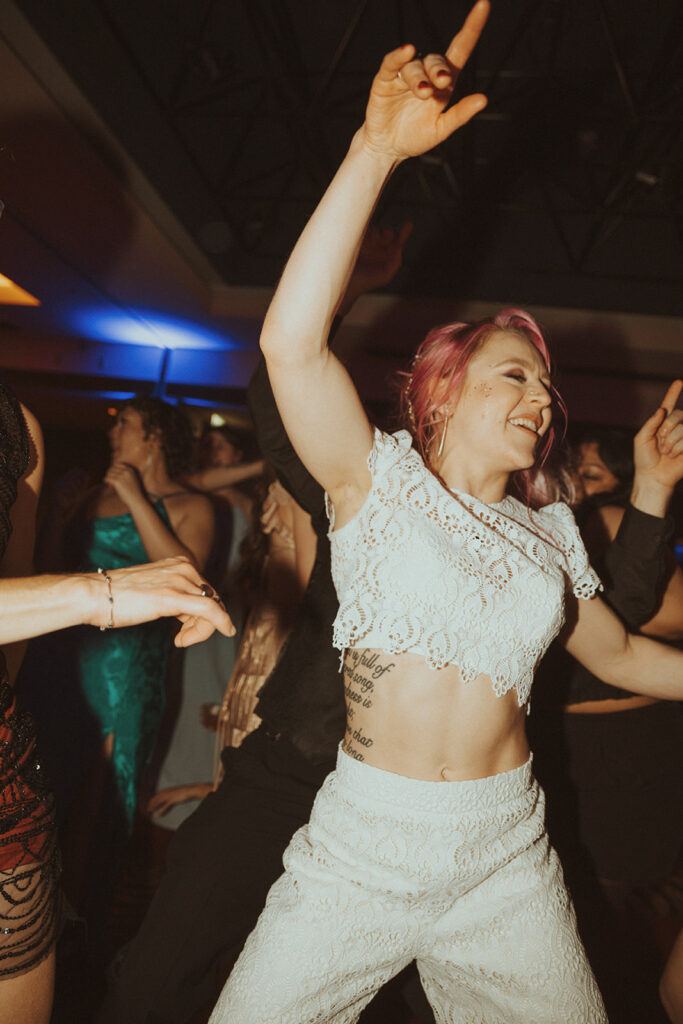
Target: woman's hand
[124,479]
[171,587]
[406,113]
[658,446]
[165,799]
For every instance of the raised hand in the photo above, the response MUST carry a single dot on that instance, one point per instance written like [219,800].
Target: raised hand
[406,113]
[124,479]
[658,445]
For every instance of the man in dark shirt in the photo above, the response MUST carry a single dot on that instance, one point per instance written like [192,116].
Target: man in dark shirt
[225,857]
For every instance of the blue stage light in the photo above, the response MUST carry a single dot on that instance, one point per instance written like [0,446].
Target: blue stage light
[150,329]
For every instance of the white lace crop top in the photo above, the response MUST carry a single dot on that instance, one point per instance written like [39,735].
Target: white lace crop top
[435,572]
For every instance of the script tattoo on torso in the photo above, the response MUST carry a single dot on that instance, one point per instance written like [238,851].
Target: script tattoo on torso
[362,669]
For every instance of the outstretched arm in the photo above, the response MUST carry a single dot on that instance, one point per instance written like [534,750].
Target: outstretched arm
[599,641]
[141,593]
[213,478]
[407,114]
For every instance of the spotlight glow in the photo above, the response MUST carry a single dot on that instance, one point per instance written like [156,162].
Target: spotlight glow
[149,329]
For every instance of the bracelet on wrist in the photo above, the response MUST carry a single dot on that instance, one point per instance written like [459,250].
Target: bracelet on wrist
[110,598]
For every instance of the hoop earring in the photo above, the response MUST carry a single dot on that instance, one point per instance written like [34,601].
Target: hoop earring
[443,436]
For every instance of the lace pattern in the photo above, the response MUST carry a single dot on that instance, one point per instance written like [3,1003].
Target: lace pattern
[420,568]
[466,885]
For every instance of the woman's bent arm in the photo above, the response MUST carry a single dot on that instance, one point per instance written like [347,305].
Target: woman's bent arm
[599,641]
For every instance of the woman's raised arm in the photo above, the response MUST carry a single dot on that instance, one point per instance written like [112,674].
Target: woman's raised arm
[407,114]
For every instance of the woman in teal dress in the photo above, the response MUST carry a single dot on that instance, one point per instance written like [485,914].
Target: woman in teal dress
[139,514]
[122,672]
[113,685]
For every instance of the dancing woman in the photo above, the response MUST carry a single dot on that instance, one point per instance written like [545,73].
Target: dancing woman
[428,842]
[29,861]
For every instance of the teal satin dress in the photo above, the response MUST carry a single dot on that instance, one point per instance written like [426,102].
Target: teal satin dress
[122,671]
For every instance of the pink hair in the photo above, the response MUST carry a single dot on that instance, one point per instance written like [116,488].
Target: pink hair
[443,356]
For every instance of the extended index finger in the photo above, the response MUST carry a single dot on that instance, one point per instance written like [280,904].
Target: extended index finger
[672,396]
[463,43]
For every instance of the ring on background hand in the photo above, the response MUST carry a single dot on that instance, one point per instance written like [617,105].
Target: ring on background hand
[207,591]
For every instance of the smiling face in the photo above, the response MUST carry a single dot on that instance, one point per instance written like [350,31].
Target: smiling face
[128,441]
[501,411]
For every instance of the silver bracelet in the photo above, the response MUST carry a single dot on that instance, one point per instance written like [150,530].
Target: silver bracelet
[110,598]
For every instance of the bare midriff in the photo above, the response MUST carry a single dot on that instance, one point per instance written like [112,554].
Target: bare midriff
[423,723]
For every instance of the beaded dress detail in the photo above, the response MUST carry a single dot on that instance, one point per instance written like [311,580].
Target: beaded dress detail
[440,573]
[29,859]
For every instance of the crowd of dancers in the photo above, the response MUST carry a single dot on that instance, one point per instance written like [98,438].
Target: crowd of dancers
[375,717]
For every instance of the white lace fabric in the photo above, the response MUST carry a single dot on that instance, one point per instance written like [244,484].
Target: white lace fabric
[456,875]
[423,569]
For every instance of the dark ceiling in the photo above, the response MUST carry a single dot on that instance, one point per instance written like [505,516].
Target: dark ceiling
[566,191]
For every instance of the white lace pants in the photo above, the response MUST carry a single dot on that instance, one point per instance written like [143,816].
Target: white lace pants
[456,875]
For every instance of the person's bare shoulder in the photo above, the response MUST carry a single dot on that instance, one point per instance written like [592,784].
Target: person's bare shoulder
[188,503]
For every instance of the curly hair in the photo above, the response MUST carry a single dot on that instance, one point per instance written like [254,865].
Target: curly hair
[444,355]
[173,428]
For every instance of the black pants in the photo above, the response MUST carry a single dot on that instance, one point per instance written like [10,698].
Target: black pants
[614,787]
[221,864]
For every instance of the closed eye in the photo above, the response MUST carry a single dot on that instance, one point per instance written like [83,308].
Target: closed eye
[516,375]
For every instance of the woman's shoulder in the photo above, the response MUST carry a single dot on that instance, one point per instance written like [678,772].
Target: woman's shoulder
[186,501]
